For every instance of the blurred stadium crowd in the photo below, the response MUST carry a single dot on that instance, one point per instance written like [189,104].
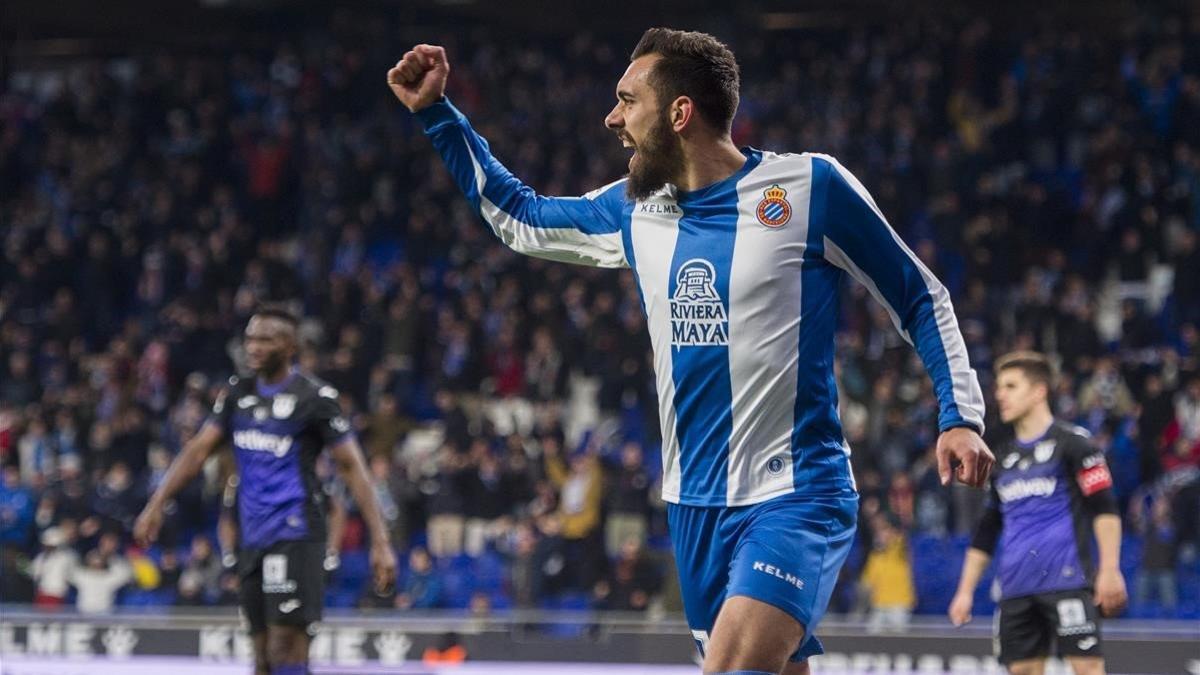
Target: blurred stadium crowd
[1050,177]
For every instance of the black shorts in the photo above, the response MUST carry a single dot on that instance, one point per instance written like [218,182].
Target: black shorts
[1027,625]
[283,584]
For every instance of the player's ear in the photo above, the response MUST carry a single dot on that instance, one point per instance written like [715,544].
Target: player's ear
[291,342]
[680,113]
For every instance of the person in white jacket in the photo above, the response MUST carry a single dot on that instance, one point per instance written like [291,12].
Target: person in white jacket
[98,582]
[53,567]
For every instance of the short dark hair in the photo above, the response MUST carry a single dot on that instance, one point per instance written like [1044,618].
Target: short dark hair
[1034,365]
[277,311]
[696,65]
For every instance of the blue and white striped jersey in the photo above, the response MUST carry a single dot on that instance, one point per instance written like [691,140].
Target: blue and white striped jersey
[739,281]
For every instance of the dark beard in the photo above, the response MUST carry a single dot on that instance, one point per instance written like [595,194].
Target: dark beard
[273,365]
[659,161]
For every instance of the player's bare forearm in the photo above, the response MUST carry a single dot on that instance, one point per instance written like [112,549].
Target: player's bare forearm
[337,524]
[1107,528]
[187,465]
[1111,595]
[181,472]
[973,566]
[353,472]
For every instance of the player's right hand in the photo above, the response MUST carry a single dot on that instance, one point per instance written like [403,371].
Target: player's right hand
[960,609]
[419,78]
[145,529]
[964,446]
[383,567]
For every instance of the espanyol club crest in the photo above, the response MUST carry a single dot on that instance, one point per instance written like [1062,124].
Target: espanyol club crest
[775,465]
[774,211]
[282,406]
[1043,451]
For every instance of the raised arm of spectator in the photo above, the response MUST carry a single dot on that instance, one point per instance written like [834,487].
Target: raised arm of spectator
[585,230]
[854,235]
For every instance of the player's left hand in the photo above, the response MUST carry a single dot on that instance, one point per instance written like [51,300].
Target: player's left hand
[1111,595]
[974,458]
[383,567]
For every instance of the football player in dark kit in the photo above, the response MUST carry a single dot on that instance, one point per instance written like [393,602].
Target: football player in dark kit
[1052,490]
[278,422]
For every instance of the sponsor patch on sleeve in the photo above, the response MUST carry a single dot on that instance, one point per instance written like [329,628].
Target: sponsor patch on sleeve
[1094,479]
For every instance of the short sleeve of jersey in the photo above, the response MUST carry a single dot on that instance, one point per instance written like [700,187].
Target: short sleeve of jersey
[987,533]
[222,409]
[1086,465]
[327,416]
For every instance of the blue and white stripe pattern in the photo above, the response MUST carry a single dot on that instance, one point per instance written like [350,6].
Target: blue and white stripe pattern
[773,211]
[741,310]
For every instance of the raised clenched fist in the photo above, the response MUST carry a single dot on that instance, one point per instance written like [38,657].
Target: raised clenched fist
[419,78]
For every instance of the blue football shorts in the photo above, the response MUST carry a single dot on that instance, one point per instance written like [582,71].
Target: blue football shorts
[785,552]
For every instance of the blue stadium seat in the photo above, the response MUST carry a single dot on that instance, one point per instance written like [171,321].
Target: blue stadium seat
[488,572]
[456,589]
[341,598]
[354,571]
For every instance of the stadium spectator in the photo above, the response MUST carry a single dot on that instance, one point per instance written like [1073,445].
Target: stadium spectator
[69,491]
[394,490]
[15,584]
[627,501]
[580,486]
[98,581]
[16,508]
[229,587]
[1105,392]
[1187,412]
[169,570]
[545,369]
[202,569]
[448,650]
[547,567]
[632,581]
[37,456]
[20,387]
[385,427]
[190,591]
[521,550]
[1156,414]
[1160,549]
[445,502]
[422,586]
[888,578]
[116,499]
[1181,455]
[489,502]
[53,569]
